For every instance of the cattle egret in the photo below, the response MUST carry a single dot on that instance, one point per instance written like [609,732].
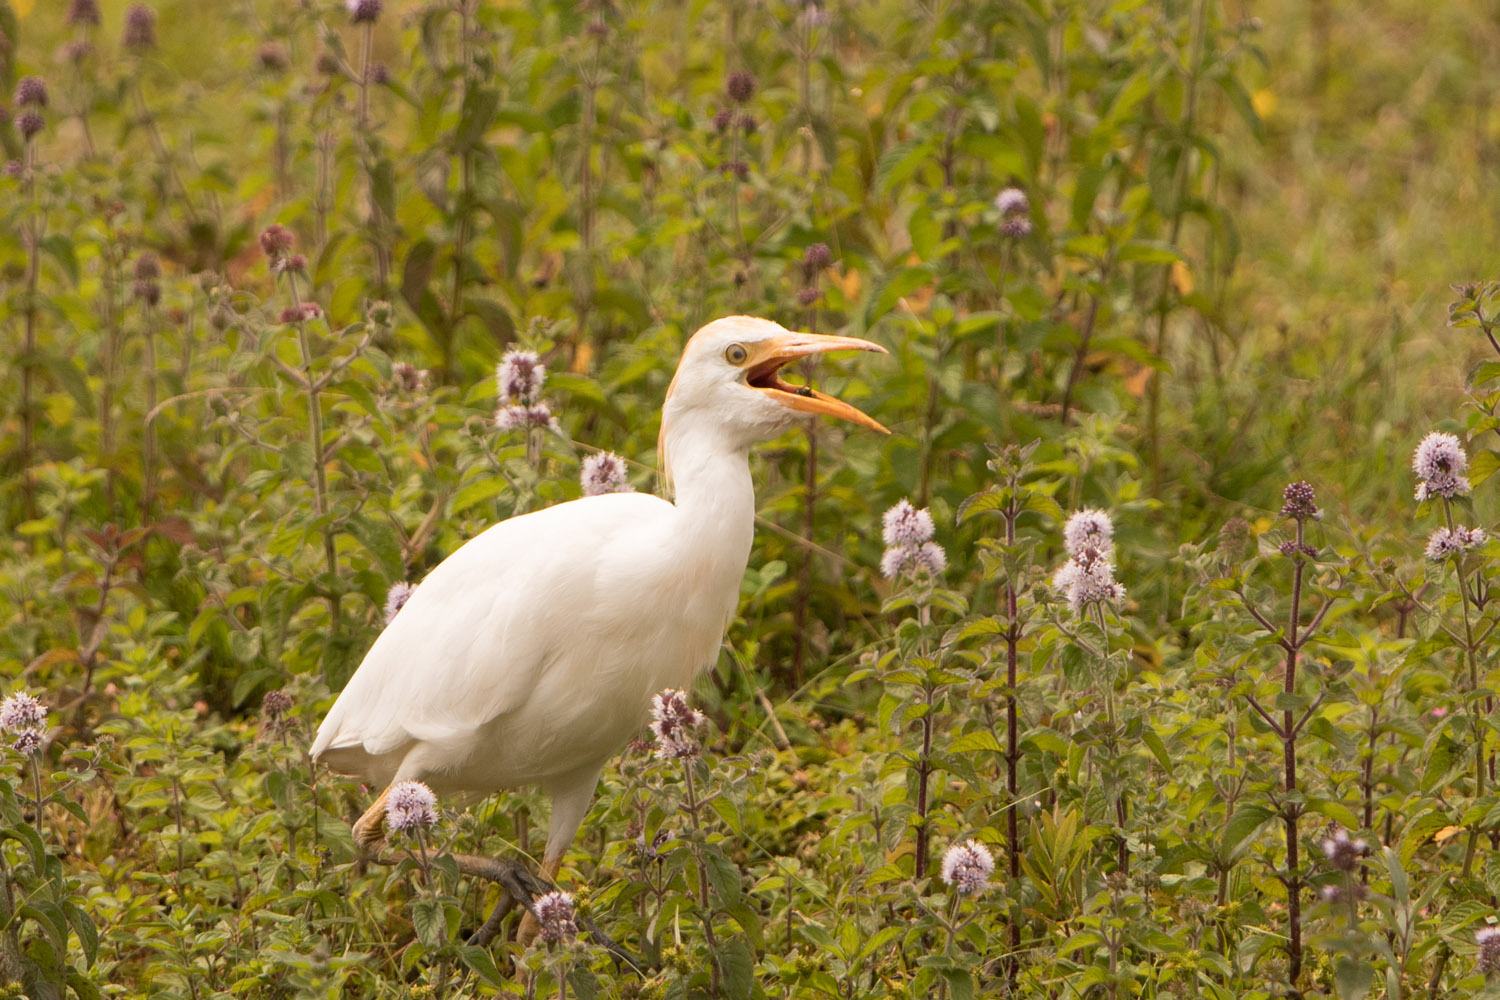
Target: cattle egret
[530,655]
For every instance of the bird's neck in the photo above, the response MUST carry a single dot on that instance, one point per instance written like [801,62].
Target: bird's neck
[715,497]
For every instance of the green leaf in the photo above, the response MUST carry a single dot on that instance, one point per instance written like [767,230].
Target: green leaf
[972,742]
[1353,978]
[738,966]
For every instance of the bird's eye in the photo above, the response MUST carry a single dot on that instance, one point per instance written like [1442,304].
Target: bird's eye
[736,354]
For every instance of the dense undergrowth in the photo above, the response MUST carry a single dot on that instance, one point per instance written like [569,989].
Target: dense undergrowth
[1156,260]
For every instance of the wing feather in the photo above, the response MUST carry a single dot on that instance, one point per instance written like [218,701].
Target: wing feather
[477,635]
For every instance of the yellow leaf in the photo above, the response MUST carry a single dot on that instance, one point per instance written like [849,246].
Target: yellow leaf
[1447,833]
[848,283]
[1182,277]
[22,7]
[1264,102]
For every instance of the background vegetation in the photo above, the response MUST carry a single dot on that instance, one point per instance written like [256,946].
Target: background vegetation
[1234,272]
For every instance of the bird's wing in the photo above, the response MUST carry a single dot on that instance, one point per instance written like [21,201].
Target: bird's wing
[476,636]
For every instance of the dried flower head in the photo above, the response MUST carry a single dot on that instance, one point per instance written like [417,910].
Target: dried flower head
[674,723]
[78,50]
[967,867]
[147,270]
[276,241]
[408,379]
[1440,463]
[1488,940]
[1446,542]
[1089,529]
[83,12]
[1235,538]
[31,92]
[556,917]
[140,27]
[29,123]
[604,472]
[22,711]
[272,58]
[815,258]
[904,524]
[410,806]
[722,119]
[520,376]
[276,704]
[747,124]
[361,11]
[740,87]
[739,168]
[396,598]
[147,267]
[808,297]
[1344,852]
[1293,549]
[380,74]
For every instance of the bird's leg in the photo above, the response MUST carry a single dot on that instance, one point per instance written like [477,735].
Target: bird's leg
[529,929]
[369,831]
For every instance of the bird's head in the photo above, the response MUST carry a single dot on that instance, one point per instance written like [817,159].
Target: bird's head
[729,380]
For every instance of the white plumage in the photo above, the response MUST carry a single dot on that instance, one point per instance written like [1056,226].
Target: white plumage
[530,655]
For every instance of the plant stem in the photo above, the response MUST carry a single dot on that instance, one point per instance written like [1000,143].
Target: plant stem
[703,899]
[319,456]
[1290,810]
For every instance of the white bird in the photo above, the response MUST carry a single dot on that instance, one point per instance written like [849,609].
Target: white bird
[530,655]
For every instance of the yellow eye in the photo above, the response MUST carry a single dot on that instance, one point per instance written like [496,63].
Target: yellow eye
[736,354]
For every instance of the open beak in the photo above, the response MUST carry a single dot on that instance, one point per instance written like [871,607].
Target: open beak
[763,373]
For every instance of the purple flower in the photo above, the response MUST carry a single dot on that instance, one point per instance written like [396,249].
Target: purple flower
[740,87]
[1299,501]
[363,10]
[410,806]
[140,27]
[22,711]
[520,376]
[967,867]
[928,557]
[604,472]
[1088,579]
[903,524]
[28,742]
[276,704]
[509,418]
[31,91]
[908,535]
[1488,940]
[29,123]
[1439,463]
[396,598]
[675,723]
[1015,212]
[556,916]
[1012,201]
[83,12]
[1089,529]
[276,241]
[1344,852]
[1446,542]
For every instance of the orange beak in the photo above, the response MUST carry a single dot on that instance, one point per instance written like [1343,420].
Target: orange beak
[762,373]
